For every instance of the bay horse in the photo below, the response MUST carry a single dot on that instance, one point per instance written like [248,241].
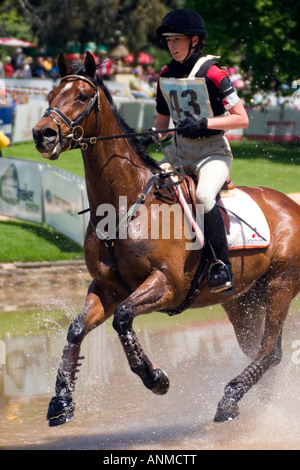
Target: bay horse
[139,276]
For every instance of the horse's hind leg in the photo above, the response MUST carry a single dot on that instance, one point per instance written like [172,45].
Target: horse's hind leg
[279,294]
[61,407]
[147,298]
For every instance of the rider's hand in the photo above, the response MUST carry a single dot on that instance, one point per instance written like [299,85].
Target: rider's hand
[146,140]
[190,125]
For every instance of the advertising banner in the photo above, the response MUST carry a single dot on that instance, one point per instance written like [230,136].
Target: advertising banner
[26,117]
[20,189]
[63,195]
[32,88]
[6,120]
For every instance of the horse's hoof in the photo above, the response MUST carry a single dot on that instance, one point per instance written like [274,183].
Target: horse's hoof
[160,384]
[60,411]
[227,410]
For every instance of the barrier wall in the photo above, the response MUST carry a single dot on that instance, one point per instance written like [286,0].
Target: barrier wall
[271,123]
[274,124]
[40,193]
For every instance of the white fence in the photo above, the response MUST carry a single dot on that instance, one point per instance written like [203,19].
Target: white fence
[40,193]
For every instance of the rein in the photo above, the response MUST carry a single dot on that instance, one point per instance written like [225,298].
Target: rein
[74,126]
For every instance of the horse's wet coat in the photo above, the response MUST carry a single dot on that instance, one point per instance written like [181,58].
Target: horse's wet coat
[141,276]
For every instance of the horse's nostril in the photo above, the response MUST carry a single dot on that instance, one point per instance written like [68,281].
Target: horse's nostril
[48,133]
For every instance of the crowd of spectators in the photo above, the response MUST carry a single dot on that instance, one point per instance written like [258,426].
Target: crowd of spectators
[20,65]
[143,77]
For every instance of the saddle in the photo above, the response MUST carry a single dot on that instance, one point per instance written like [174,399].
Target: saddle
[251,232]
[188,188]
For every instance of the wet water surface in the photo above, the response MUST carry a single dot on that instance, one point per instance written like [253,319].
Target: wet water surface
[115,411]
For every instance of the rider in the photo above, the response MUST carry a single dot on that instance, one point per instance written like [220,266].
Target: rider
[196,92]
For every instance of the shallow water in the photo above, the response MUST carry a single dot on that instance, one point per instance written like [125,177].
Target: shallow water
[115,411]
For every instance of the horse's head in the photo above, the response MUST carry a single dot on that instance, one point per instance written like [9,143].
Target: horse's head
[69,105]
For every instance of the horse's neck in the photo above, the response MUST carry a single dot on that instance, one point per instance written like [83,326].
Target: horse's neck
[112,167]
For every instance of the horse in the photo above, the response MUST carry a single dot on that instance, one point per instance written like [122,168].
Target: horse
[132,276]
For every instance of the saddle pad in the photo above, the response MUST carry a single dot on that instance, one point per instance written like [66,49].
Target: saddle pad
[240,234]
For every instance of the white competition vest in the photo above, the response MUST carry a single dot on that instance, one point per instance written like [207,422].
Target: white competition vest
[187,96]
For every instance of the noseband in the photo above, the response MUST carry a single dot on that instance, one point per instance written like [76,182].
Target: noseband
[74,125]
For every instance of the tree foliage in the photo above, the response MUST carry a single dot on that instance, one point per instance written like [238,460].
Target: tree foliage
[261,36]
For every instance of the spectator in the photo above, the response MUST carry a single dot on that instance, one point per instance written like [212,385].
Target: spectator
[8,68]
[139,87]
[37,69]
[1,67]
[106,66]
[47,64]
[18,62]
[53,73]
[14,100]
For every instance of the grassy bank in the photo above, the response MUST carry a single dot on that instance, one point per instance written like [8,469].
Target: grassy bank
[255,164]
[26,241]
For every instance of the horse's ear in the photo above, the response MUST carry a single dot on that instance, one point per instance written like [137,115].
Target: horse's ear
[63,66]
[90,66]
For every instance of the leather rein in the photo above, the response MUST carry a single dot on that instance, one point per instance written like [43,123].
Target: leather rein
[77,130]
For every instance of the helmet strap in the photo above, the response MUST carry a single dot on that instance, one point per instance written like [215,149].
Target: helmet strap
[189,51]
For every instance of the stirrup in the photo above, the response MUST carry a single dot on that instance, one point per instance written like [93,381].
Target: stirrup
[227,285]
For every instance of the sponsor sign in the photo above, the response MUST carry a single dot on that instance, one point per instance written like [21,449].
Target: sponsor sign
[6,120]
[33,88]
[63,196]
[26,117]
[20,189]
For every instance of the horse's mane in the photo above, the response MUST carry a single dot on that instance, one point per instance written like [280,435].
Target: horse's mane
[78,69]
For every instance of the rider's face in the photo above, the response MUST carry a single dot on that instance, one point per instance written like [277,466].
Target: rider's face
[179,46]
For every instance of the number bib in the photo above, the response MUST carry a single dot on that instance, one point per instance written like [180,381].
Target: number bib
[187,96]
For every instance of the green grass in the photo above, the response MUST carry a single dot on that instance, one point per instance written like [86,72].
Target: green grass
[274,165]
[255,164]
[23,241]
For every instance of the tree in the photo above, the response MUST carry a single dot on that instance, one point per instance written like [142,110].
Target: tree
[13,25]
[261,36]
[100,21]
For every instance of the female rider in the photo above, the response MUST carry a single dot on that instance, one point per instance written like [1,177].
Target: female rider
[197,94]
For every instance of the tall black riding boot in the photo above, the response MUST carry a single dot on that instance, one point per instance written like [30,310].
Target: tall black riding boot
[220,274]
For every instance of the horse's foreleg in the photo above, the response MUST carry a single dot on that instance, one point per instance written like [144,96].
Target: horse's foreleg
[279,296]
[61,407]
[147,298]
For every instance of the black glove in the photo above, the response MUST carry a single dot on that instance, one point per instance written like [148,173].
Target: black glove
[146,140]
[191,126]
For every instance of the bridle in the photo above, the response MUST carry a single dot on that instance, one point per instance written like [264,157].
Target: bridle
[74,126]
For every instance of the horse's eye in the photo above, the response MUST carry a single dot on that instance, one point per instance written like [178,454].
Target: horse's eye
[83,97]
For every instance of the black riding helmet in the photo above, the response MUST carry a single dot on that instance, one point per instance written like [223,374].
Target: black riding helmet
[182,21]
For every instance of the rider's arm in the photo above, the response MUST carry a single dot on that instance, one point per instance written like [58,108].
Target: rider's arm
[162,121]
[236,119]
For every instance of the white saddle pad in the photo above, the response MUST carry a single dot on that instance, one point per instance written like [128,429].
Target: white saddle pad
[241,234]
